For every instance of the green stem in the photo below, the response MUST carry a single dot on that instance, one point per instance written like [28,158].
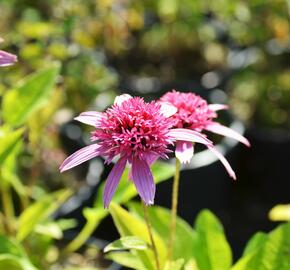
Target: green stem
[7,207]
[153,245]
[174,209]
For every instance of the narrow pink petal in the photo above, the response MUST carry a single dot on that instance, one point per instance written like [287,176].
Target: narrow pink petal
[223,161]
[7,59]
[184,151]
[121,98]
[228,132]
[113,181]
[80,156]
[90,118]
[167,109]
[218,107]
[143,180]
[188,135]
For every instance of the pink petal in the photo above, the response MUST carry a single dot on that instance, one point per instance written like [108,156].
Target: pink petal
[90,118]
[113,181]
[80,156]
[218,107]
[188,135]
[143,180]
[224,161]
[184,151]
[167,109]
[7,59]
[228,132]
[121,98]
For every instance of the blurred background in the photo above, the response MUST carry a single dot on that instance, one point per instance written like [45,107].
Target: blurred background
[227,51]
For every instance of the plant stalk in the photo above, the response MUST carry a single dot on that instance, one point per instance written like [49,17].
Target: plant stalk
[146,216]
[174,205]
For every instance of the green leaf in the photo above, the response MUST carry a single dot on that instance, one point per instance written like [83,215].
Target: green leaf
[280,212]
[9,142]
[160,219]
[272,253]
[255,242]
[50,229]
[211,249]
[130,225]
[126,259]
[175,265]
[12,256]
[127,242]
[30,95]
[39,211]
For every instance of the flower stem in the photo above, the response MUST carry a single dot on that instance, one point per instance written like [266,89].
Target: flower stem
[174,209]
[146,216]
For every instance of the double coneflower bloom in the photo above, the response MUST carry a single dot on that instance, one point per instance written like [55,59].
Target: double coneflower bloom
[138,133]
[6,59]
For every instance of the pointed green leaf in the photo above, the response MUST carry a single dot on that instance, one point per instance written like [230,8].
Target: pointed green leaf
[20,102]
[160,219]
[255,242]
[272,253]
[39,212]
[127,242]
[9,142]
[130,225]
[211,249]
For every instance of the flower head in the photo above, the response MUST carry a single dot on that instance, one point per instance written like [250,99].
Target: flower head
[7,59]
[134,131]
[194,113]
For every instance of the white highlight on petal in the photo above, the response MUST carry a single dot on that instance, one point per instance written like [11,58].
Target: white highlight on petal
[167,109]
[184,151]
[90,118]
[228,132]
[113,181]
[121,98]
[188,135]
[218,107]
[80,156]
[143,180]
[223,161]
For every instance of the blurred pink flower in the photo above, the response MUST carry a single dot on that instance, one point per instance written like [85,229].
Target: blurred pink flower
[195,113]
[7,59]
[136,132]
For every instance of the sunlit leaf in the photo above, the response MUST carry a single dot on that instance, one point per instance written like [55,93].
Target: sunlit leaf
[126,259]
[175,265]
[127,242]
[39,212]
[272,253]
[20,102]
[256,241]
[211,249]
[160,219]
[129,225]
[280,212]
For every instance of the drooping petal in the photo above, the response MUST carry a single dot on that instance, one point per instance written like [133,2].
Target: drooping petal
[223,161]
[143,180]
[167,109]
[184,151]
[228,132]
[121,98]
[113,181]
[80,156]
[90,118]
[218,107]
[7,59]
[182,134]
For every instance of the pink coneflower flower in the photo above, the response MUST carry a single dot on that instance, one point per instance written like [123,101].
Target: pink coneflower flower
[136,132]
[195,113]
[7,59]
